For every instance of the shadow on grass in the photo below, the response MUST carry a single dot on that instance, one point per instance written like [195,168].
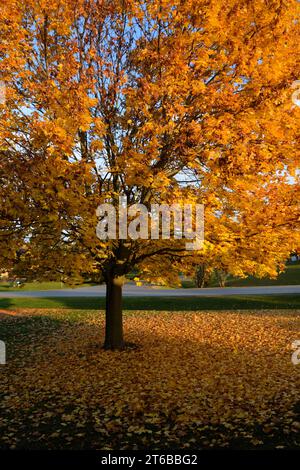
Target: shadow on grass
[242,302]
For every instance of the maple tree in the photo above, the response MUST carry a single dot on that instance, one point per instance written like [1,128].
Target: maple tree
[188,101]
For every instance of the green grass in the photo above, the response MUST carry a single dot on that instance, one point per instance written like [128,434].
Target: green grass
[290,277]
[49,285]
[187,283]
[237,302]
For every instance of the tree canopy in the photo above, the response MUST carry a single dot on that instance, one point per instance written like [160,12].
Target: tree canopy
[165,102]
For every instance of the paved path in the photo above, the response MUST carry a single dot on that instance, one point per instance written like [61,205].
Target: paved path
[144,291]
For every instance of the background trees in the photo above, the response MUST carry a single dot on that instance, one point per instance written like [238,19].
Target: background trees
[159,102]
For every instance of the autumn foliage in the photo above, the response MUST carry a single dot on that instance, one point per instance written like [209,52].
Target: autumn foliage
[198,380]
[182,101]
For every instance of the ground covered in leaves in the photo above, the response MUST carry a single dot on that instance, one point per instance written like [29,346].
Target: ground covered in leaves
[198,380]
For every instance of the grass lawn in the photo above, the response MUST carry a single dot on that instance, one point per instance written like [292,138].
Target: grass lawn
[233,302]
[290,277]
[199,379]
[49,285]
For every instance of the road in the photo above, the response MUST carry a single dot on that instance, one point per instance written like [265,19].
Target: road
[131,290]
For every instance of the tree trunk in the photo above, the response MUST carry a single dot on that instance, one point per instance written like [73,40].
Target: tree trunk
[114,321]
[221,276]
[200,275]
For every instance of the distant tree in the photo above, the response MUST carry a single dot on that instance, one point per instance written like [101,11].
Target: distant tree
[201,275]
[221,277]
